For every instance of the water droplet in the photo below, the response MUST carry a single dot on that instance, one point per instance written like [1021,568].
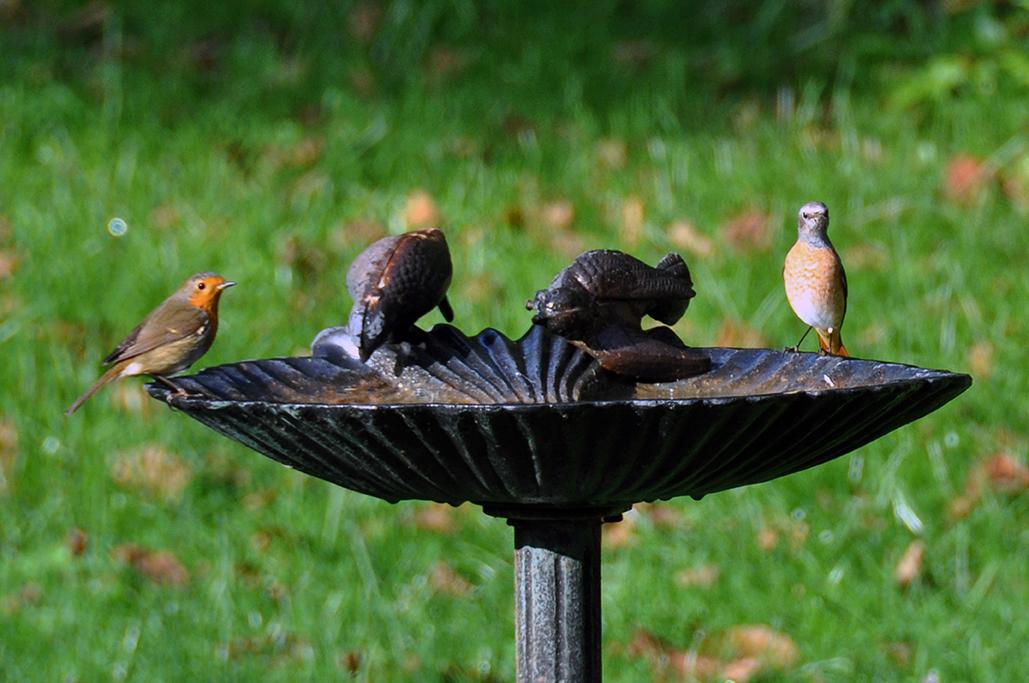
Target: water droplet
[857,466]
[117,227]
[798,515]
[951,439]
[826,536]
[835,576]
[51,444]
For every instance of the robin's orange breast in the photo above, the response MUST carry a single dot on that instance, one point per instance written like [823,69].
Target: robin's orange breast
[814,285]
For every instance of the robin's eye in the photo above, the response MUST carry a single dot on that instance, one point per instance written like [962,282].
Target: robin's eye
[201,285]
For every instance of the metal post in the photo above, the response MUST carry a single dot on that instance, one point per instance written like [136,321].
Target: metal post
[557,600]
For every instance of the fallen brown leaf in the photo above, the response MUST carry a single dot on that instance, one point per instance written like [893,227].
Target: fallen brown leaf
[445,579]
[437,518]
[771,647]
[767,539]
[355,234]
[1015,183]
[8,263]
[909,567]
[287,646]
[445,62]
[153,469]
[8,453]
[1005,474]
[965,178]
[1000,473]
[420,211]
[350,662]
[559,214]
[362,80]
[748,231]
[630,229]
[165,217]
[661,515]
[618,534]
[77,542]
[900,653]
[159,566]
[665,659]
[683,234]
[612,153]
[869,255]
[29,594]
[980,359]
[700,576]
[364,20]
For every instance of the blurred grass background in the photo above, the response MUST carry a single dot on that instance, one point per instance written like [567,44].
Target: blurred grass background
[272,141]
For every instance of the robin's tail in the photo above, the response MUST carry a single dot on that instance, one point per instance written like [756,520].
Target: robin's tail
[832,343]
[111,373]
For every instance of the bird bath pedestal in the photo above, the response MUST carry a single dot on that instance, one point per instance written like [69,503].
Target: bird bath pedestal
[536,432]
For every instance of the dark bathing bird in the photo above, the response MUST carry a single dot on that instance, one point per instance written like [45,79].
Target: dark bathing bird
[395,281]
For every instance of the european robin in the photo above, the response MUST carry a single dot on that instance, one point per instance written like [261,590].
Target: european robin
[173,337]
[816,284]
[394,282]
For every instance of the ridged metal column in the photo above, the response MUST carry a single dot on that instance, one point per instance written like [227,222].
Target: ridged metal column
[557,600]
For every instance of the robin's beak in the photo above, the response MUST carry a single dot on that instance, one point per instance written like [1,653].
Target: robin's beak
[226,285]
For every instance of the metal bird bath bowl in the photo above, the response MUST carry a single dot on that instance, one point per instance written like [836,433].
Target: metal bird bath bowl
[536,432]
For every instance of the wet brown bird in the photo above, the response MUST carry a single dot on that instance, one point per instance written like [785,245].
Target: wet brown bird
[816,284]
[173,337]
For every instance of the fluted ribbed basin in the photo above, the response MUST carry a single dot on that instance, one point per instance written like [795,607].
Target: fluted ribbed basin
[535,423]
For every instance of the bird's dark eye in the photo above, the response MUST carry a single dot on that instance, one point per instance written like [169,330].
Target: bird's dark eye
[201,285]
[807,215]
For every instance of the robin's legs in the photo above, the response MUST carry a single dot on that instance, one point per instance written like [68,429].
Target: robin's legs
[176,389]
[796,348]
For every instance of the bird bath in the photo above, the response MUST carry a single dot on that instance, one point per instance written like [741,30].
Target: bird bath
[537,432]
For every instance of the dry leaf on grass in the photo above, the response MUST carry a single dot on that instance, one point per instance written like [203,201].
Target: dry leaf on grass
[558,214]
[8,453]
[154,470]
[612,153]
[1000,473]
[965,178]
[437,518]
[767,539]
[420,211]
[748,231]
[618,534]
[980,359]
[661,515]
[159,566]
[666,660]
[700,576]
[630,228]
[8,263]
[350,662]
[683,234]
[77,542]
[29,594]
[909,567]
[445,579]
[364,19]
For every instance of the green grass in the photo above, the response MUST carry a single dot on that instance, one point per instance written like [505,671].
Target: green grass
[288,574]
